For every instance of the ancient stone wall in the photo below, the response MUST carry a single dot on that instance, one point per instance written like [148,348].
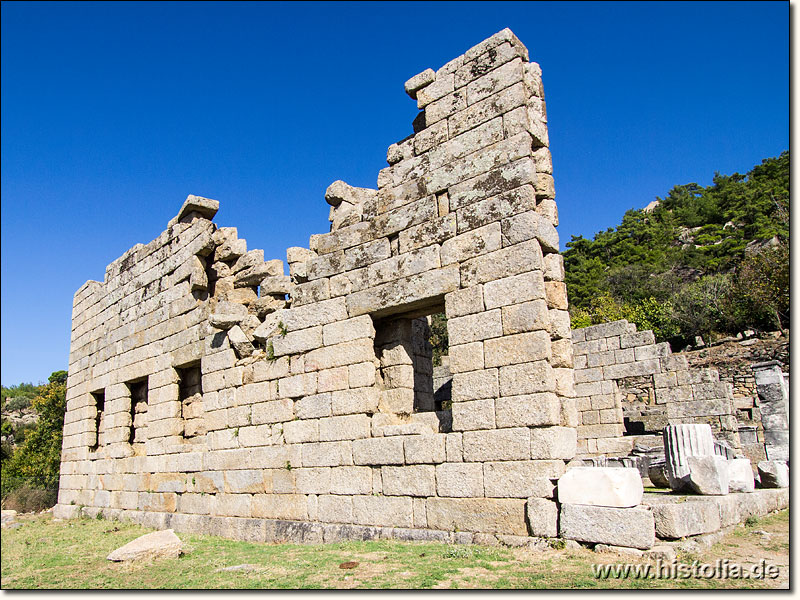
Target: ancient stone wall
[200,397]
[612,358]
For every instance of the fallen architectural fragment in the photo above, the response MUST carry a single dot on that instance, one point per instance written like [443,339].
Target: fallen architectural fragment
[210,392]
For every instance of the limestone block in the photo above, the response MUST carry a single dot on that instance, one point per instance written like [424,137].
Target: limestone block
[424,449]
[683,519]
[312,315]
[497,444]
[296,342]
[515,349]
[333,379]
[528,316]
[335,509]
[361,400]
[296,254]
[240,342]
[347,427]
[526,378]
[486,109]
[351,480]
[474,414]
[484,135]
[313,480]
[459,480]
[296,432]
[362,374]
[384,511]
[773,474]
[740,474]
[463,302]
[414,480]
[346,353]
[630,527]
[601,486]
[347,330]
[512,260]
[296,386]
[453,447]
[708,475]
[554,443]
[474,385]
[396,401]
[466,357]
[517,479]
[533,410]
[339,192]
[404,291]
[444,107]
[475,327]
[543,517]
[515,289]
[438,88]
[280,506]
[327,454]
[378,451]
[470,244]
[493,515]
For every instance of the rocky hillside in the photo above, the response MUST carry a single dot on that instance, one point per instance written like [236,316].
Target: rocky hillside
[710,261]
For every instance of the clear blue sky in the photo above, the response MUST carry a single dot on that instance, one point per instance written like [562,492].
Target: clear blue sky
[113,112]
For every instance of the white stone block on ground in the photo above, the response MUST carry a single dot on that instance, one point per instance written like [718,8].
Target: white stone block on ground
[708,475]
[773,474]
[740,475]
[601,486]
[159,544]
[629,527]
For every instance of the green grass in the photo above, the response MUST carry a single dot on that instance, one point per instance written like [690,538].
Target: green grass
[43,554]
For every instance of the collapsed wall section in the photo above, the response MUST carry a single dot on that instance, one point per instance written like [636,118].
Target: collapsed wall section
[199,394]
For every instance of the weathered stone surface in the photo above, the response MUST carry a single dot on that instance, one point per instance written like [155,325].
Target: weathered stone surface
[630,527]
[159,544]
[681,519]
[266,416]
[601,486]
[740,475]
[773,474]
[708,475]
[419,81]
[491,515]
[205,207]
[542,517]
[681,442]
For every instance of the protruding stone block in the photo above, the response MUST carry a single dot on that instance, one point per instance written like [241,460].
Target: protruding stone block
[601,486]
[630,527]
[205,207]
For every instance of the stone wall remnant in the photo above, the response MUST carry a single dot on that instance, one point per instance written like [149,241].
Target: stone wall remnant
[209,391]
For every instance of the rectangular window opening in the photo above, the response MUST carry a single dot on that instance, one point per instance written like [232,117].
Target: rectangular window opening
[99,398]
[190,394]
[412,351]
[138,390]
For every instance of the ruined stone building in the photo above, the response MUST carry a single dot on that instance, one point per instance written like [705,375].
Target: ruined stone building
[210,392]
